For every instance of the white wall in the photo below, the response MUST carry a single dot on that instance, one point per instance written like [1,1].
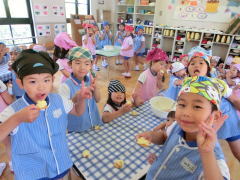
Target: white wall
[166,18]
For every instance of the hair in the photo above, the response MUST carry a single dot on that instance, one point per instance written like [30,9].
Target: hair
[59,53]
[214,107]
[115,106]
[208,69]
[171,114]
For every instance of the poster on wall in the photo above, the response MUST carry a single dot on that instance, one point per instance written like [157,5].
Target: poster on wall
[202,10]
[59,28]
[40,10]
[58,10]
[43,30]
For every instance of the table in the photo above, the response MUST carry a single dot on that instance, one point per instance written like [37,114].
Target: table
[5,74]
[115,140]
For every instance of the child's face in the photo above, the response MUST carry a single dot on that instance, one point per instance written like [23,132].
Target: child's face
[106,27]
[197,67]
[181,73]
[170,120]
[3,50]
[117,97]
[192,110]
[121,27]
[37,86]
[140,32]
[234,71]
[81,67]
[184,61]
[90,31]
[13,55]
[213,63]
[128,33]
[158,66]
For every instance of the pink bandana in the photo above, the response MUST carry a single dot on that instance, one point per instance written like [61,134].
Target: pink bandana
[157,54]
[62,40]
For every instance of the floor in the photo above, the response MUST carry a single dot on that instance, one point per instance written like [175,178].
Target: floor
[114,72]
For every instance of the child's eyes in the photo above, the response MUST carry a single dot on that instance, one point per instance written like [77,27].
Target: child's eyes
[197,107]
[181,105]
[47,80]
[32,82]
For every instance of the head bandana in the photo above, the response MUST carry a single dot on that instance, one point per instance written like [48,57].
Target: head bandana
[200,52]
[78,53]
[116,86]
[157,54]
[63,40]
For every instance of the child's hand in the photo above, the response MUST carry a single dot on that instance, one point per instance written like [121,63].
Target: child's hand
[161,127]
[178,82]
[85,92]
[160,75]
[28,114]
[207,137]
[151,158]
[148,135]
[126,108]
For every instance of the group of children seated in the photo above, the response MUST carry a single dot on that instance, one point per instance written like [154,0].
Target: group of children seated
[207,98]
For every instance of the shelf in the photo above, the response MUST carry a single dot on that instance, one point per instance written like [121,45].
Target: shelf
[144,14]
[125,4]
[147,34]
[156,37]
[193,40]
[120,12]
[235,54]
[235,48]
[144,6]
[169,37]
[218,43]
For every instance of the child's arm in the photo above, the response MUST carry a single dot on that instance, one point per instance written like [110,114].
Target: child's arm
[109,116]
[27,114]
[65,73]
[206,140]
[137,100]
[156,137]
[129,48]
[93,39]
[4,93]
[85,39]
[79,100]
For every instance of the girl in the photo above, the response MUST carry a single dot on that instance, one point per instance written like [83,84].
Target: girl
[127,50]
[116,103]
[4,56]
[233,75]
[213,62]
[5,97]
[63,43]
[80,62]
[178,74]
[139,47]
[16,90]
[106,38]
[190,149]
[120,35]
[151,81]
[89,42]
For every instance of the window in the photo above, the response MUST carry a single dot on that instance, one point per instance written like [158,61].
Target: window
[76,7]
[16,27]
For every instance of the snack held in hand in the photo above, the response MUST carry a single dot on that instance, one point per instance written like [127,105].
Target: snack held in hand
[118,164]
[86,154]
[143,142]
[129,102]
[41,104]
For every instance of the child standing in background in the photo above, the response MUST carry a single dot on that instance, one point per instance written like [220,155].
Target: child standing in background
[190,148]
[116,103]
[4,55]
[63,43]
[106,38]
[120,35]
[139,48]
[5,98]
[151,81]
[184,59]
[176,79]
[127,50]
[16,90]
[81,63]
[89,42]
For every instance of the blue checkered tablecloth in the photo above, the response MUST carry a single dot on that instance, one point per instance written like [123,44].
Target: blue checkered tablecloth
[5,74]
[115,140]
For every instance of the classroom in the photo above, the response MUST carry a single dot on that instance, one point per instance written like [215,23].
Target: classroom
[119,89]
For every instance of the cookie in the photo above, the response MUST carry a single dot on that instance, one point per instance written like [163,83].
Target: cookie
[134,113]
[118,164]
[97,128]
[143,142]
[41,104]
[86,154]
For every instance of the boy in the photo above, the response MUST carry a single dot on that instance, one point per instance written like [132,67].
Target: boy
[38,136]
[190,149]
[80,60]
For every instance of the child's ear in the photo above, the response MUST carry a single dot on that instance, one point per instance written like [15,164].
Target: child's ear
[70,63]
[19,83]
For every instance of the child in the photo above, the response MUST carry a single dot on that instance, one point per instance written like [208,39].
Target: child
[175,83]
[127,50]
[4,56]
[189,148]
[139,47]
[120,35]
[151,81]
[80,60]
[63,43]
[89,42]
[199,65]
[116,103]
[38,134]
[184,59]
[213,63]
[17,92]
[5,97]
[106,38]
[233,75]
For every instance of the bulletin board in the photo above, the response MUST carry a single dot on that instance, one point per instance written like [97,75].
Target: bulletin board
[77,22]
